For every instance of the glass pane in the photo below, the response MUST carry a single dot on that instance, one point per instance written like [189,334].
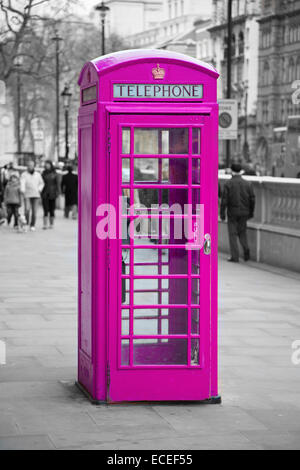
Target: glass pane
[125,291]
[150,284]
[160,322]
[176,171]
[147,312]
[195,291]
[160,261]
[148,241]
[125,222]
[125,140]
[125,232]
[125,261]
[196,201]
[195,262]
[165,148]
[125,170]
[145,262]
[160,200]
[163,171]
[168,291]
[125,322]
[178,141]
[146,169]
[196,176]
[151,231]
[148,141]
[125,352]
[196,141]
[195,356]
[195,321]
[160,352]
[125,201]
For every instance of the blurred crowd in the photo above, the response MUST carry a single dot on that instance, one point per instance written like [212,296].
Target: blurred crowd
[22,192]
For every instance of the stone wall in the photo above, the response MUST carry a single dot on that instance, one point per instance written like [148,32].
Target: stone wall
[274,232]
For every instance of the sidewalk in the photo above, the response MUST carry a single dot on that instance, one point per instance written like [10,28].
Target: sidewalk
[41,409]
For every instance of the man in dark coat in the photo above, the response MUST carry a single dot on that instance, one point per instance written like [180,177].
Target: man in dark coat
[69,187]
[239,200]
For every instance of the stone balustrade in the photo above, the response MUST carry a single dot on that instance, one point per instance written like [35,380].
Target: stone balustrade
[274,232]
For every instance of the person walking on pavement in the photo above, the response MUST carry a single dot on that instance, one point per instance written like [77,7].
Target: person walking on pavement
[69,187]
[13,200]
[2,214]
[49,193]
[238,200]
[32,185]
[7,172]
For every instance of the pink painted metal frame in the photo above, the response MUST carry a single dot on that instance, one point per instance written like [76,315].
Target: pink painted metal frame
[100,372]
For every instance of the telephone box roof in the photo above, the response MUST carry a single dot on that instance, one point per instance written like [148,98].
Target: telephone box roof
[117,59]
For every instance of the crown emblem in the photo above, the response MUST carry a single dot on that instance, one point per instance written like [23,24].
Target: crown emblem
[158,73]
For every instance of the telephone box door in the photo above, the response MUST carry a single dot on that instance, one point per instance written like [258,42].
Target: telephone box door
[159,306]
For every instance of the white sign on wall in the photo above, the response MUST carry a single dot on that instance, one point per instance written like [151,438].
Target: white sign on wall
[228,119]
[2,92]
[2,353]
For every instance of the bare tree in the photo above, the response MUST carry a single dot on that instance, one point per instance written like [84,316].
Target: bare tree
[15,33]
[26,31]
[25,34]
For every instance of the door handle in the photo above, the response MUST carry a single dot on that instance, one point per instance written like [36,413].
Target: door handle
[123,282]
[207,244]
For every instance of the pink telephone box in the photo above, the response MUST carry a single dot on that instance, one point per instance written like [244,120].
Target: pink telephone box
[148,152]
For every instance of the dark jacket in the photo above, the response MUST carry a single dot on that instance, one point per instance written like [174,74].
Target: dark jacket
[12,193]
[69,187]
[51,188]
[238,198]
[1,190]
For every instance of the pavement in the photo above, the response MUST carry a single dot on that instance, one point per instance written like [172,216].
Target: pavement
[40,408]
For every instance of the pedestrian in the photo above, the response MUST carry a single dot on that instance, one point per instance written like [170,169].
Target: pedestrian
[7,172]
[2,210]
[13,200]
[238,200]
[32,185]
[1,188]
[49,193]
[69,187]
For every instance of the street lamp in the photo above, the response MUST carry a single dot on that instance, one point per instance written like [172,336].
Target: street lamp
[229,57]
[57,40]
[18,65]
[66,94]
[246,145]
[103,9]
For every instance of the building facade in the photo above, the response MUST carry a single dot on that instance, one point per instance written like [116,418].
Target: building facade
[245,45]
[279,68]
[204,46]
[127,17]
[175,26]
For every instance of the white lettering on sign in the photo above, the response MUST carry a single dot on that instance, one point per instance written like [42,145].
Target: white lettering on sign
[176,91]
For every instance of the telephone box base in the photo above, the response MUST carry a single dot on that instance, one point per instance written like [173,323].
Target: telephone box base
[89,396]
[213,401]
[209,401]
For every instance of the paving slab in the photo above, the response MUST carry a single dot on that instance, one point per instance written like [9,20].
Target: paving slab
[40,407]
[26,442]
